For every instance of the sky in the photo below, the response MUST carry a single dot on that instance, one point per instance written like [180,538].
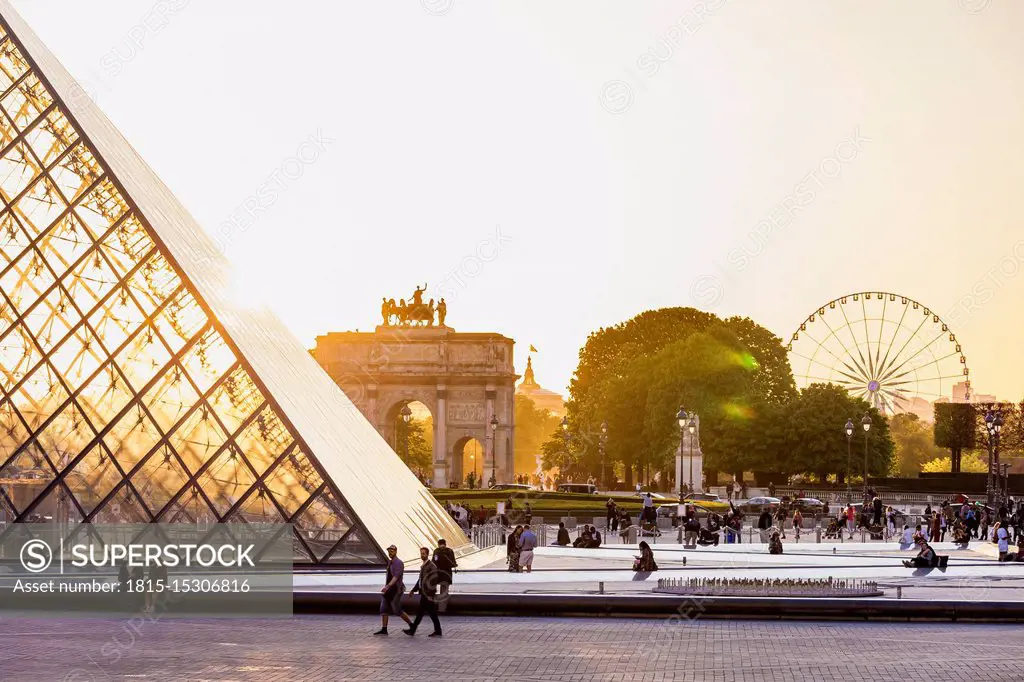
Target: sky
[552,168]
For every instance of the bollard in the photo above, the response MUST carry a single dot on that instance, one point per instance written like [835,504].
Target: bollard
[817,534]
[600,588]
[862,535]
[899,592]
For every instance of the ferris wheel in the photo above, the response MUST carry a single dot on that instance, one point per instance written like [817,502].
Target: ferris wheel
[883,347]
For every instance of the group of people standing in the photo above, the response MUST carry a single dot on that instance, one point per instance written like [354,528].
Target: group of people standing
[519,547]
[433,584]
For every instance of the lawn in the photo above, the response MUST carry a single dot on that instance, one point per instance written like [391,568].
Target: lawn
[542,503]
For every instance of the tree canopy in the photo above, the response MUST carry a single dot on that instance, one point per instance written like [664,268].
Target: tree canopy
[915,444]
[812,428]
[636,374]
[533,428]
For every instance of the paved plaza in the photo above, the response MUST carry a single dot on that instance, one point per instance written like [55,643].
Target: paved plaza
[973,574]
[341,648]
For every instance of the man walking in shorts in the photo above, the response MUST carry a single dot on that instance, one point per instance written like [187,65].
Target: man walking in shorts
[527,543]
[391,593]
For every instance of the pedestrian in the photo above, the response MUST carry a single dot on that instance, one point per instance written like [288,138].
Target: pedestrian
[426,585]
[729,487]
[764,522]
[780,518]
[771,489]
[391,593]
[611,515]
[527,514]
[1002,539]
[851,519]
[936,522]
[876,508]
[798,524]
[444,559]
[692,529]
[512,550]
[527,543]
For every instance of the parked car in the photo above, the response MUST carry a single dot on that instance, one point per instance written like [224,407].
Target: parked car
[708,501]
[513,487]
[900,517]
[755,505]
[585,488]
[809,506]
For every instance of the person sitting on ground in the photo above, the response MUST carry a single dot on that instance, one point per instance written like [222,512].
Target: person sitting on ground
[563,535]
[775,543]
[708,537]
[584,538]
[926,557]
[1020,550]
[645,562]
[596,541]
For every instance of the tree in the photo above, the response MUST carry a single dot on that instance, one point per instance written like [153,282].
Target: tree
[973,463]
[419,455]
[533,427]
[636,374]
[814,423]
[955,429]
[915,444]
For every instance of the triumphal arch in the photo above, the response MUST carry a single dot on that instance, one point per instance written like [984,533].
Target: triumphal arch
[466,380]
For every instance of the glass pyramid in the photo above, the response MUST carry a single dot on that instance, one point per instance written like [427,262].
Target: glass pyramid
[132,387]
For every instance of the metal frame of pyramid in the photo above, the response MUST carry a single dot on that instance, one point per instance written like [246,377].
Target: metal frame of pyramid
[134,387]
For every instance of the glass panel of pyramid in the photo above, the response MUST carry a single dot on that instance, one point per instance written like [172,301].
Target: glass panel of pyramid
[134,386]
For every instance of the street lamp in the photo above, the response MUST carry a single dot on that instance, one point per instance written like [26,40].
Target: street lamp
[866,423]
[849,440]
[681,417]
[692,428]
[994,425]
[406,415]
[494,429]
[601,442]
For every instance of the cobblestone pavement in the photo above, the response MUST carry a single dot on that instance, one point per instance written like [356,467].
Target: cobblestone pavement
[341,648]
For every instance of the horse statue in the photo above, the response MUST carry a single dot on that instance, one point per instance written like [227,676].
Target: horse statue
[413,313]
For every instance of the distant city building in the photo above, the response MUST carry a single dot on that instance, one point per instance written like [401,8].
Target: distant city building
[925,410]
[962,394]
[541,397]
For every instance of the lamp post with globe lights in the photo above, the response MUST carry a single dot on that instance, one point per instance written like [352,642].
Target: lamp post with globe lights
[602,440]
[866,423]
[681,417]
[691,428]
[406,415]
[494,463]
[849,441]
[994,426]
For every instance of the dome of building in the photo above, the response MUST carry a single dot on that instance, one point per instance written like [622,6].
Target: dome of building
[541,397]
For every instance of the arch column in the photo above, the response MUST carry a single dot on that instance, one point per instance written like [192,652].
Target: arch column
[441,454]
[491,457]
